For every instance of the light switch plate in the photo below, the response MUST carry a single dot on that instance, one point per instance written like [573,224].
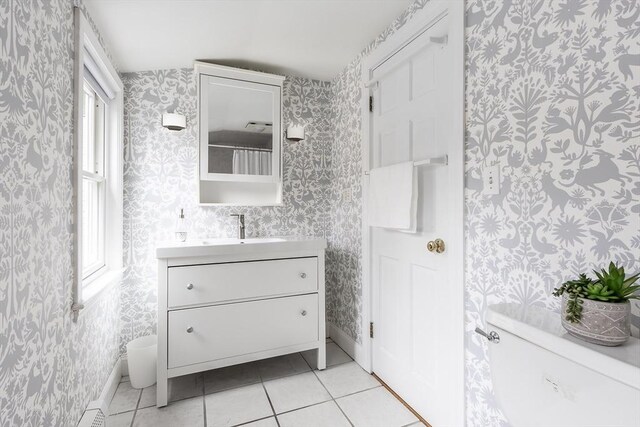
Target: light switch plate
[491,178]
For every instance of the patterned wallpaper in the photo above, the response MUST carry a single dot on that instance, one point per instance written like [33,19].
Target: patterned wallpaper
[50,367]
[344,267]
[553,96]
[161,177]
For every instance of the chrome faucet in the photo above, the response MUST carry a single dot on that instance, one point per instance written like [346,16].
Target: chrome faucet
[240,225]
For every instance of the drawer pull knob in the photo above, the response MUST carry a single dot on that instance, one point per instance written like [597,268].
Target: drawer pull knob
[303,312]
[190,286]
[190,329]
[303,275]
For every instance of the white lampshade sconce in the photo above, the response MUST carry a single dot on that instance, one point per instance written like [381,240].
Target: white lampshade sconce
[174,121]
[295,132]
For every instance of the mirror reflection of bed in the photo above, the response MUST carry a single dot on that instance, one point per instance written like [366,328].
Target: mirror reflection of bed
[240,139]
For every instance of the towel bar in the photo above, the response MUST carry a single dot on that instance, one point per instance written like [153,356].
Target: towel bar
[444,160]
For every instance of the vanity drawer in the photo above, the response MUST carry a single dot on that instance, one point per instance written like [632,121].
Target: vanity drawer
[229,330]
[210,283]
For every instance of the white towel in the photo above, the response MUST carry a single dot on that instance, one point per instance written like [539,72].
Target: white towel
[393,197]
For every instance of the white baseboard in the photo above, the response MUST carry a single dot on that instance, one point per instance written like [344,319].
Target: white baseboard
[350,346]
[109,388]
[124,366]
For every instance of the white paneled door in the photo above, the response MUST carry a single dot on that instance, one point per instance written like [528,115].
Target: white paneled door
[416,306]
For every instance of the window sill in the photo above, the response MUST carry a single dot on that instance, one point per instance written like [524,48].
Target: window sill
[91,291]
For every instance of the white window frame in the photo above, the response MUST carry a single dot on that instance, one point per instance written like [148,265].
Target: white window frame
[91,59]
[96,173]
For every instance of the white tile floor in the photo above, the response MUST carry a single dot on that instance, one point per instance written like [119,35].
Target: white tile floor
[279,392]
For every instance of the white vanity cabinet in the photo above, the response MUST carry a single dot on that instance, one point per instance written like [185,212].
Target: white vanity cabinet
[226,302]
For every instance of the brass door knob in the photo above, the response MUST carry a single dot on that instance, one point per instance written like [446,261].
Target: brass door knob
[436,246]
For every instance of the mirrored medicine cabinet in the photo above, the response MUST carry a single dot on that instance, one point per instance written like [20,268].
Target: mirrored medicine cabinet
[240,133]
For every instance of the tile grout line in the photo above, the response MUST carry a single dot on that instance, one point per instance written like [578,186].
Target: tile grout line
[357,392]
[262,381]
[380,384]
[291,375]
[271,379]
[269,399]
[280,377]
[333,399]
[204,401]
[135,411]
[253,421]
[402,401]
[348,355]
[109,414]
[350,394]
[139,399]
[232,387]
[305,407]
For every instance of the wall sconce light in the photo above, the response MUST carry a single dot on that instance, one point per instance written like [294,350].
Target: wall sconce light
[295,132]
[174,121]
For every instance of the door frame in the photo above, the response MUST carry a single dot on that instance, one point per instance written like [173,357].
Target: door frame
[423,19]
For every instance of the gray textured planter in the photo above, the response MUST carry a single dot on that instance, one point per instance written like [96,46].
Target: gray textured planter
[603,323]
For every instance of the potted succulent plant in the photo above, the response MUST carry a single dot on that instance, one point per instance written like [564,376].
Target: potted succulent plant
[598,310]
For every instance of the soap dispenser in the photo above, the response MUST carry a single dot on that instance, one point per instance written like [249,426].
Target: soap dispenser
[181,227]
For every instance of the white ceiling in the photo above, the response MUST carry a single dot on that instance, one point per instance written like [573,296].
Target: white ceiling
[310,38]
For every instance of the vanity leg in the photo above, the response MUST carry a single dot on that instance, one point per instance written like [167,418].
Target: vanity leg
[322,326]
[162,385]
[162,392]
[322,355]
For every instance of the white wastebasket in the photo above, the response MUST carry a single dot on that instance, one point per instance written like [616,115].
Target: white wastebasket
[142,359]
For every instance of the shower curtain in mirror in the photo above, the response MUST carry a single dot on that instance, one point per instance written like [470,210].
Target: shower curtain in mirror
[251,162]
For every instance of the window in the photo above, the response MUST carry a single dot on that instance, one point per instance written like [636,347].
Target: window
[98,158]
[94,181]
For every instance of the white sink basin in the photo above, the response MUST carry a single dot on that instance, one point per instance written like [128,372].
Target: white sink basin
[240,241]
[204,247]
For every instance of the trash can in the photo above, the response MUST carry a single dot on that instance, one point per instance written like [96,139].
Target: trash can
[142,358]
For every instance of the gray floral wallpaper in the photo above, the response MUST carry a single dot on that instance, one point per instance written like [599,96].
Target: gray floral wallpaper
[50,367]
[344,267]
[553,96]
[161,177]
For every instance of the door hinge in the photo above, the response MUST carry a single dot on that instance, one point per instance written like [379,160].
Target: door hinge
[370,329]
[371,104]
